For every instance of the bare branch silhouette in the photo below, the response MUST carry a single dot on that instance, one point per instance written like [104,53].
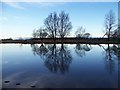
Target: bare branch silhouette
[110,24]
[64,24]
[80,33]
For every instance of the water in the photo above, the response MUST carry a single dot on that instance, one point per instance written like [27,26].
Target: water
[60,66]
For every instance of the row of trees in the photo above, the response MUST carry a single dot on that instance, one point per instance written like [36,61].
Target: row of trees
[55,26]
[59,25]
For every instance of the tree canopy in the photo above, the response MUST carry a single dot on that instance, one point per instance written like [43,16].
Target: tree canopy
[55,25]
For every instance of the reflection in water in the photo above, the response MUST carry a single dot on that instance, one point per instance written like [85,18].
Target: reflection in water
[58,58]
[39,50]
[51,70]
[55,58]
[81,49]
[116,51]
[111,53]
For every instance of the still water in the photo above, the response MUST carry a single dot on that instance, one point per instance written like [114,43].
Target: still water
[60,66]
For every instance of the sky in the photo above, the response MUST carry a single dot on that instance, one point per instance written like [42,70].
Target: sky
[19,19]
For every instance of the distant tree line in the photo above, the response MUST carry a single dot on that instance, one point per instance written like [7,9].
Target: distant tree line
[59,26]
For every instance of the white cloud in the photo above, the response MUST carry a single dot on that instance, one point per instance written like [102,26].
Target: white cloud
[18,5]
[42,3]
[15,5]
[4,18]
[45,4]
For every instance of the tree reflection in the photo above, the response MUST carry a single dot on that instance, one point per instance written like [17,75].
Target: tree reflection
[116,51]
[81,49]
[56,58]
[111,54]
[39,50]
[51,61]
[110,64]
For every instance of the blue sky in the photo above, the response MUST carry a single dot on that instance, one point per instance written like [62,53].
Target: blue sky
[19,19]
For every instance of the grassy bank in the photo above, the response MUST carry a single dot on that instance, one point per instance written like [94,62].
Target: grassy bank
[65,40]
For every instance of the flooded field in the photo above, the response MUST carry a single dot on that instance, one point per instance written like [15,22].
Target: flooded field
[60,65]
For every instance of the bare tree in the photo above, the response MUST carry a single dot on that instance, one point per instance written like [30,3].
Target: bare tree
[87,35]
[64,24]
[118,27]
[80,33]
[40,33]
[58,25]
[51,24]
[109,23]
[34,34]
[119,19]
